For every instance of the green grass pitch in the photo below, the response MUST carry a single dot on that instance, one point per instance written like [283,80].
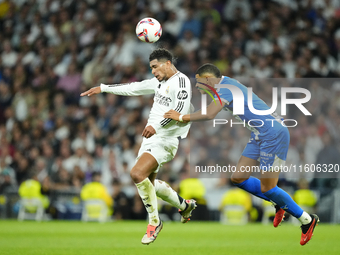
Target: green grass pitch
[123,237]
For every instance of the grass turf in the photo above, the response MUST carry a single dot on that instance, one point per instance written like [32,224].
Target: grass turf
[114,238]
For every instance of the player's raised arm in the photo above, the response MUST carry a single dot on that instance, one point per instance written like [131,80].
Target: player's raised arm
[131,89]
[212,111]
[127,89]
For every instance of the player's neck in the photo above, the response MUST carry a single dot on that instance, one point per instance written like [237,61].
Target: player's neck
[172,72]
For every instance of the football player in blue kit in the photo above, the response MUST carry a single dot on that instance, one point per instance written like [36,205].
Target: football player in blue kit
[269,143]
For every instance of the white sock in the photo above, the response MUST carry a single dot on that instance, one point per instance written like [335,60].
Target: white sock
[165,192]
[148,194]
[305,218]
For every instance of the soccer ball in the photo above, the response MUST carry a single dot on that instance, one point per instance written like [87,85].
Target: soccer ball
[148,30]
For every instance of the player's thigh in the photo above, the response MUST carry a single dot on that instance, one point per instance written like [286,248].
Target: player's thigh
[144,167]
[247,162]
[244,169]
[271,165]
[273,159]
[162,149]
[269,180]
[152,177]
[273,150]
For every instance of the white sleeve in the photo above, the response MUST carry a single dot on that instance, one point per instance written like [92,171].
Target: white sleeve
[182,97]
[131,89]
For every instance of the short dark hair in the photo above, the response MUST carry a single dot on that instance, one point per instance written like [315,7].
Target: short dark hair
[161,54]
[96,175]
[115,181]
[209,68]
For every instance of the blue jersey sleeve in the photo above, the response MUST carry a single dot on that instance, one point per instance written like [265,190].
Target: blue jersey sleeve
[225,95]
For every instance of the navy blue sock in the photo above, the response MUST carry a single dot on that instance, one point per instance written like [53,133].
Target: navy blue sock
[283,199]
[253,186]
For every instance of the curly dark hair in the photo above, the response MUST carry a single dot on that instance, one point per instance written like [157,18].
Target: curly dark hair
[209,68]
[161,54]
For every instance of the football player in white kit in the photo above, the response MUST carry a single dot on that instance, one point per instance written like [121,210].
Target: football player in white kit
[172,90]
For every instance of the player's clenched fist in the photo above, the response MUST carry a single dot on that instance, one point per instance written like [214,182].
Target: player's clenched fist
[92,91]
[148,132]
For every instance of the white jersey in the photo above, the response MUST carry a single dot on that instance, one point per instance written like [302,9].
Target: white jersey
[174,93]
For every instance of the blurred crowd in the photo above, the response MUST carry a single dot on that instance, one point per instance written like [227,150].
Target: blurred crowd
[52,50]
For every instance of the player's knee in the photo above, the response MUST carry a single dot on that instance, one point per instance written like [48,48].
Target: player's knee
[265,188]
[136,175]
[237,180]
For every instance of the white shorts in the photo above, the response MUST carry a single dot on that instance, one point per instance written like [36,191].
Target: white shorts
[163,149]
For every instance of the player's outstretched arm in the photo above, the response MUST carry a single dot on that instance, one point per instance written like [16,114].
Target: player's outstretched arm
[127,89]
[145,87]
[172,114]
[212,111]
[91,91]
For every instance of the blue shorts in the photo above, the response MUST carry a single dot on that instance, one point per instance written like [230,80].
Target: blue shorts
[271,152]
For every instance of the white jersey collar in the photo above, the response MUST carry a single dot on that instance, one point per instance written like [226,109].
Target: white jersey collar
[172,76]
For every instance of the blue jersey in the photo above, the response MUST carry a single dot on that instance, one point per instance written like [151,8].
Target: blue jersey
[265,125]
